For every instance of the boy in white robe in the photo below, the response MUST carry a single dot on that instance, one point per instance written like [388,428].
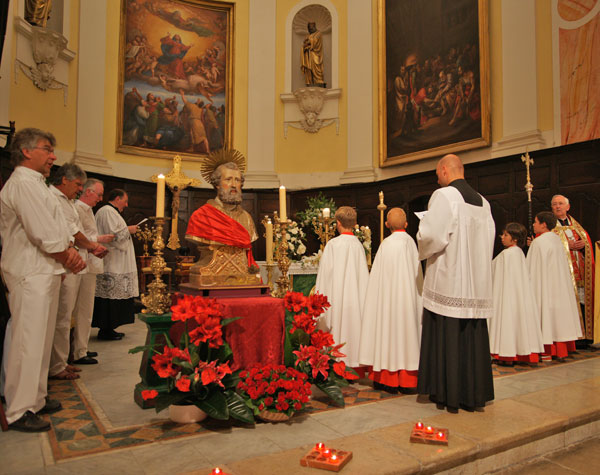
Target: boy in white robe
[553,289]
[515,333]
[391,323]
[343,277]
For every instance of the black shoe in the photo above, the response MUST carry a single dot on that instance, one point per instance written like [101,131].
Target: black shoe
[112,335]
[86,360]
[92,354]
[52,406]
[378,386]
[30,422]
[119,333]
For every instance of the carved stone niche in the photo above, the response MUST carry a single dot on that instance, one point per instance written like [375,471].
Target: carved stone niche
[311,108]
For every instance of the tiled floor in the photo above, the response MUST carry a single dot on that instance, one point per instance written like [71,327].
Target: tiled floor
[101,414]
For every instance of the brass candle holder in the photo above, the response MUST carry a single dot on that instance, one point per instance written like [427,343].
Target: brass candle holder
[158,298]
[268,224]
[381,207]
[283,261]
[145,234]
[324,228]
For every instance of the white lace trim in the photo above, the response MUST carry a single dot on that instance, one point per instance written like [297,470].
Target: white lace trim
[117,286]
[457,302]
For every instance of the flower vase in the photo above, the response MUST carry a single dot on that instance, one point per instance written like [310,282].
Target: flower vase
[269,416]
[186,413]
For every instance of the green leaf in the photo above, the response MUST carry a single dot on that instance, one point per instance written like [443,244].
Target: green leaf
[231,380]
[137,349]
[168,340]
[184,364]
[215,405]
[165,400]
[333,391]
[227,321]
[288,356]
[238,408]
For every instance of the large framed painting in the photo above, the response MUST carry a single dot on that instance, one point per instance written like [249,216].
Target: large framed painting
[433,78]
[175,77]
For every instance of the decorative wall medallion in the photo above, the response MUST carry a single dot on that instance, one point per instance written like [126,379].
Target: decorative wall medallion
[46,45]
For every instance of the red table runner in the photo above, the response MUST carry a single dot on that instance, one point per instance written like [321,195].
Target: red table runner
[257,337]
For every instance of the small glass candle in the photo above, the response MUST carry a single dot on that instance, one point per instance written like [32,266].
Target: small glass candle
[429,430]
[320,446]
[333,458]
[419,425]
[440,435]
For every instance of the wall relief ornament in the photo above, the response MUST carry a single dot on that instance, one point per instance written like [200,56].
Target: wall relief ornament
[310,101]
[46,45]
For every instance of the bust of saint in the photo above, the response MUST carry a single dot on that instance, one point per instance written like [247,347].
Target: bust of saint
[224,233]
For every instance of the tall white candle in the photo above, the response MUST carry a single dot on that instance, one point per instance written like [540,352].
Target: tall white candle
[282,204]
[269,239]
[326,213]
[160,196]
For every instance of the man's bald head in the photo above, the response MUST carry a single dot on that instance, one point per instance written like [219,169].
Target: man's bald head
[449,168]
[396,219]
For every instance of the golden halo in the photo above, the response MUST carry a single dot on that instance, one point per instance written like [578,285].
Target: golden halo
[219,157]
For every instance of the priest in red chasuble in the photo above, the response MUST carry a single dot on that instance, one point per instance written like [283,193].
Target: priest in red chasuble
[579,250]
[222,220]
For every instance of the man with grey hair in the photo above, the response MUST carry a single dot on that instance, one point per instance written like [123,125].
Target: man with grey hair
[223,220]
[93,191]
[579,250]
[36,251]
[66,183]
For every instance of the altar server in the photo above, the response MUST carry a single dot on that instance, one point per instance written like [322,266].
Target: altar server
[456,236]
[35,242]
[391,322]
[343,277]
[515,332]
[553,289]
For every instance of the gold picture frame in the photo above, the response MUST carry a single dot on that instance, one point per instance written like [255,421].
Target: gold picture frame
[175,92]
[427,105]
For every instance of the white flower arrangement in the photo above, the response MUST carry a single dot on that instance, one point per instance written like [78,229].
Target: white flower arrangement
[311,261]
[295,241]
[363,233]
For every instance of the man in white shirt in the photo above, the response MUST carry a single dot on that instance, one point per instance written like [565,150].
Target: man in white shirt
[343,278]
[117,285]
[456,236]
[66,183]
[92,193]
[35,247]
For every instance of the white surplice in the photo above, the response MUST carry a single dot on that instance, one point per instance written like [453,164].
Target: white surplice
[553,289]
[391,322]
[343,278]
[515,327]
[457,239]
[119,279]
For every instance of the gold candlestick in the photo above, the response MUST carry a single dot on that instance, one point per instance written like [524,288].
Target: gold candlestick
[158,299]
[283,261]
[324,228]
[381,207]
[145,234]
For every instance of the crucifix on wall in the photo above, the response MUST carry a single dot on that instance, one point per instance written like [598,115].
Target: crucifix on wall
[177,181]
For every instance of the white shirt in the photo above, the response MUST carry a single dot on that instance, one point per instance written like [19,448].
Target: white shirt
[90,230]
[343,278]
[32,226]
[69,211]
[457,239]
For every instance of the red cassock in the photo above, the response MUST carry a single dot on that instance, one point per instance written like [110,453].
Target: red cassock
[208,222]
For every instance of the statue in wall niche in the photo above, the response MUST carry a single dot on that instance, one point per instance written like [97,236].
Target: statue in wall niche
[37,12]
[222,229]
[312,57]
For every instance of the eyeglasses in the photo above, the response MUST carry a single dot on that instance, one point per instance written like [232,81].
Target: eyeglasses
[99,195]
[49,150]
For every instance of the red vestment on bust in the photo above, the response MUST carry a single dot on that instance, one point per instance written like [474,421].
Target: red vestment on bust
[207,222]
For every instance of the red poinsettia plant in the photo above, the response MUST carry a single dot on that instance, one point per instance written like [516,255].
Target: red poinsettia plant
[197,371]
[274,388]
[311,351]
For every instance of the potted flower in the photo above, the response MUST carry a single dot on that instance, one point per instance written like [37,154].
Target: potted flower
[197,370]
[312,351]
[274,392]
[296,240]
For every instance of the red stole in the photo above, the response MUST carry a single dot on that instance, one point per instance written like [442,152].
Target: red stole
[208,222]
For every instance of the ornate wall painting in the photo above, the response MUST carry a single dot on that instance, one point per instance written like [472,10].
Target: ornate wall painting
[433,78]
[175,77]
[578,25]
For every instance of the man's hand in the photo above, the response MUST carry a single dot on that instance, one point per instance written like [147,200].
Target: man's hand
[104,238]
[99,251]
[529,240]
[73,261]
[132,229]
[576,245]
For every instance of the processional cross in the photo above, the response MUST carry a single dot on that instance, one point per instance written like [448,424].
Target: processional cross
[177,181]
[527,160]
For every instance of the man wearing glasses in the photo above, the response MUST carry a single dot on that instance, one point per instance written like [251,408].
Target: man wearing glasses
[92,193]
[36,251]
